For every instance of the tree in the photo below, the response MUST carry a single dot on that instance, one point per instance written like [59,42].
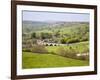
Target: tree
[46,35]
[57,33]
[63,41]
[73,40]
[33,35]
[39,49]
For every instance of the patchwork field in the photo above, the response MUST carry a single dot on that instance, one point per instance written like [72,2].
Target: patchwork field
[34,60]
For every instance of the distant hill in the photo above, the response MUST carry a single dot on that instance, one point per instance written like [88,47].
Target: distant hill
[29,26]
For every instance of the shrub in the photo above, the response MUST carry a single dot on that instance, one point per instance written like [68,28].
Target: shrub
[63,41]
[39,49]
[33,35]
[46,35]
[61,51]
[52,52]
[70,53]
[26,50]
[73,40]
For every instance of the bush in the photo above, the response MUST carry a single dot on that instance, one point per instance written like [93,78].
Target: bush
[66,52]
[39,49]
[52,53]
[46,35]
[26,50]
[61,51]
[63,41]
[73,40]
[70,53]
[33,35]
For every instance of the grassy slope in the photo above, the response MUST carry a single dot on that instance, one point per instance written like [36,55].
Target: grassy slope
[80,47]
[34,60]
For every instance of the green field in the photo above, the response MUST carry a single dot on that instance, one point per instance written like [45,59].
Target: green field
[36,60]
[78,47]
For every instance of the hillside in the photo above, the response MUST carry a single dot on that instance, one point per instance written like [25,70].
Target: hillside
[34,60]
[55,44]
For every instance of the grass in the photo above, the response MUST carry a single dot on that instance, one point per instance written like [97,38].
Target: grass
[80,47]
[36,60]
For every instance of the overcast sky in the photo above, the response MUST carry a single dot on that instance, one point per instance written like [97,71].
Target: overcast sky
[55,16]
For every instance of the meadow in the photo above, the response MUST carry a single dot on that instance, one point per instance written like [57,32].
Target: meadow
[34,60]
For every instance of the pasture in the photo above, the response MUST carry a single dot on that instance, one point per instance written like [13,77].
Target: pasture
[36,60]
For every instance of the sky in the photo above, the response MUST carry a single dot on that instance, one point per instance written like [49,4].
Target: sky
[55,16]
